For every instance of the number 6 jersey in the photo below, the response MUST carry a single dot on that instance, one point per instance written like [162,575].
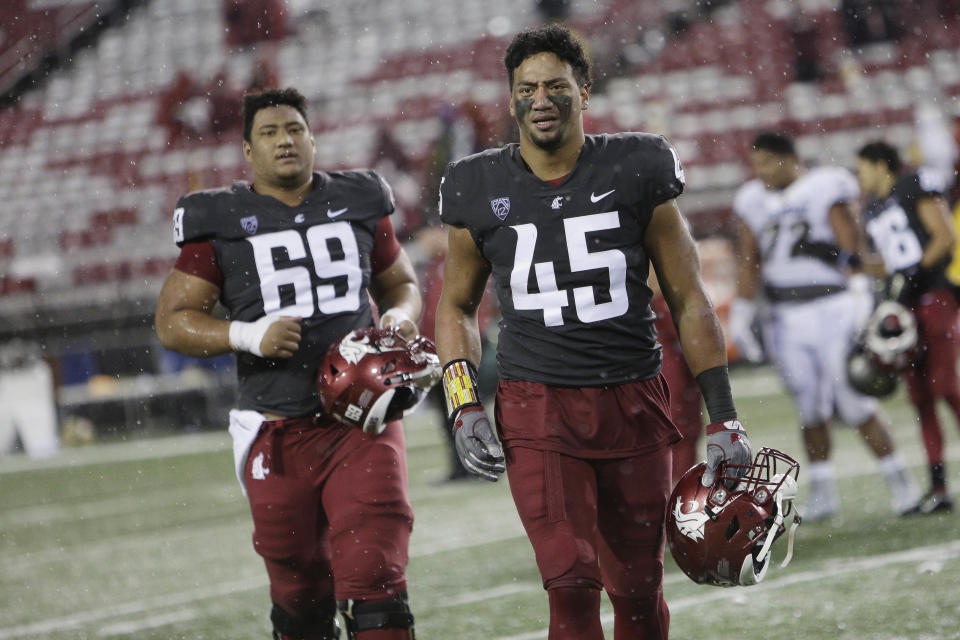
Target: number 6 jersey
[311,261]
[568,261]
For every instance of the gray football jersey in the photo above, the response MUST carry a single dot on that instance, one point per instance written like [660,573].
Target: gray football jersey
[568,261]
[311,261]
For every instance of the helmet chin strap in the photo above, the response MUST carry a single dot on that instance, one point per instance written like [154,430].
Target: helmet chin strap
[777,523]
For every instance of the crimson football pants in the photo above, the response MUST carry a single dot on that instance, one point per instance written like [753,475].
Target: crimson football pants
[596,523]
[933,374]
[330,511]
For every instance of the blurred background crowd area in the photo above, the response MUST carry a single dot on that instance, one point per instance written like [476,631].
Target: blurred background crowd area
[110,110]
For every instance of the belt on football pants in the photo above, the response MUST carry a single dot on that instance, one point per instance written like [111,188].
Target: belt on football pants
[801,294]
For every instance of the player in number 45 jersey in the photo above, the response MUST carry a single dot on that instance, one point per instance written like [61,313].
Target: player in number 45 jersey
[568,224]
[909,224]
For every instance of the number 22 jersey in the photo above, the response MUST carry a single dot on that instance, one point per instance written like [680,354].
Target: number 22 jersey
[568,261]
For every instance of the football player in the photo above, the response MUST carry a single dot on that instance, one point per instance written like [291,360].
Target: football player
[799,248]
[568,224]
[909,224]
[292,256]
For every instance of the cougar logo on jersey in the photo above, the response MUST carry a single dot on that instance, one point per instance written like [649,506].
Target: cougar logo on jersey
[353,350]
[557,202]
[501,207]
[690,524]
[249,224]
[257,470]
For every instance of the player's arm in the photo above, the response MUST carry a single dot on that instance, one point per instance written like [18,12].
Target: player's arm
[397,292]
[675,259]
[935,217]
[465,277]
[743,308]
[465,274]
[184,323]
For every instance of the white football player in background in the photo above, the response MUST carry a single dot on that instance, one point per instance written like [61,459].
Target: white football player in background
[799,243]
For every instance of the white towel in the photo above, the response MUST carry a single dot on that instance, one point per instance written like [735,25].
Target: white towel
[244,427]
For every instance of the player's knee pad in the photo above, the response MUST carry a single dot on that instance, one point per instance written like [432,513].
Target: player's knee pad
[366,615]
[320,625]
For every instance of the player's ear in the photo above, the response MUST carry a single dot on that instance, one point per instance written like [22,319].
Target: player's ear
[247,150]
[584,96]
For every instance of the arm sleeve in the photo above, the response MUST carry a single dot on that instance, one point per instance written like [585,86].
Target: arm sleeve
[200,260]
[386,247]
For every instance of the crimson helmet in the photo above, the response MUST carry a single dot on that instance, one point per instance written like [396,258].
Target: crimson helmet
[723,536]
[885,347]
[372,376]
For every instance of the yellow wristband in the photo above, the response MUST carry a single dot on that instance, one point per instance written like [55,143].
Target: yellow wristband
[459,385]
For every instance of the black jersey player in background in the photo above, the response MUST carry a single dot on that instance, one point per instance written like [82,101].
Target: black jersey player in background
[568,225]
[292,256]
[908,222]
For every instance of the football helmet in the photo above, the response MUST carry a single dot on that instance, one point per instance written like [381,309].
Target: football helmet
[723,537]
[884,348]
[372,376]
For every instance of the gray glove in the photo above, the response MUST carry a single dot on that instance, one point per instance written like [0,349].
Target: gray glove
[727,442]
[477,444]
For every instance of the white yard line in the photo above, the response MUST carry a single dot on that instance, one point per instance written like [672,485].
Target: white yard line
[830,569]
[153,622]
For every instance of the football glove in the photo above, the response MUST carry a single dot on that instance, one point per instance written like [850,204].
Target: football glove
[727,443]
[742,315]
[477,445]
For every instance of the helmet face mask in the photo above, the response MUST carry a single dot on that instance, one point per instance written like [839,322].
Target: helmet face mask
[723,537]
[372,376]
[884,349]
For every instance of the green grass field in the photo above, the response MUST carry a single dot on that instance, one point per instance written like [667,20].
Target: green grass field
[150,539]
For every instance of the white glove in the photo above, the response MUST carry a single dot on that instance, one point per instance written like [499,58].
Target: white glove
[742,314]
[860,286]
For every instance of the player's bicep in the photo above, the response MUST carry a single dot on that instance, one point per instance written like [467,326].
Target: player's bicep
[673,253]
[935,217]
[465,272]
[184,292]
[399,273]
[846,227]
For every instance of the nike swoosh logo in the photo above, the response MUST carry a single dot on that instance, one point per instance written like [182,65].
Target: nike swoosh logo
[334,214]
[600,197]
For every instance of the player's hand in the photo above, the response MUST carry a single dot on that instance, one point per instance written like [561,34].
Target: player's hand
[742,314]
[282,338]
[477,445]
[398,319]
[726,443]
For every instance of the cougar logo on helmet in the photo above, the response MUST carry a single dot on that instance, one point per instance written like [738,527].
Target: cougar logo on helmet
[353,349]
[690,524]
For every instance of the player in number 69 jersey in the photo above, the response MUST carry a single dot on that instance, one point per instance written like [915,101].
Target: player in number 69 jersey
[292,257]
[909,224]
[568,225]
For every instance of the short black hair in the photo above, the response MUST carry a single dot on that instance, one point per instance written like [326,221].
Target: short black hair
[880,151]
[553,38]
[257,100]
[774,142]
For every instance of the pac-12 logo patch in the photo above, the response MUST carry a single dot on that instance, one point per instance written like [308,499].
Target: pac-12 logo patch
[501,207]
[249,224]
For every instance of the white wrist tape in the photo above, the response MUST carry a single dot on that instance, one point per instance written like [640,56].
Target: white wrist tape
[398,315]
[247,336]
